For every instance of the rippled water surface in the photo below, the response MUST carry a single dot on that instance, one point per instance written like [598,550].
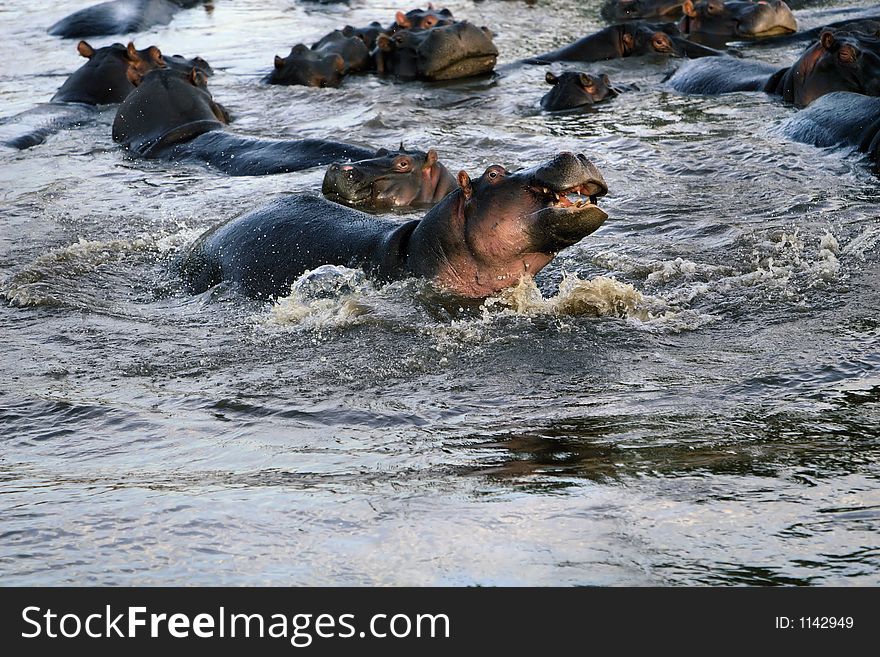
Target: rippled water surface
[689,396]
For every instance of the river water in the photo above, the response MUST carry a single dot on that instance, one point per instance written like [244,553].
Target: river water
[689,396]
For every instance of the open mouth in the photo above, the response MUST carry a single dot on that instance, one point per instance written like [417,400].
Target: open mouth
[579,196]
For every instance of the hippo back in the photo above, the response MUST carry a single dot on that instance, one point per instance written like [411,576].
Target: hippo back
[166,109]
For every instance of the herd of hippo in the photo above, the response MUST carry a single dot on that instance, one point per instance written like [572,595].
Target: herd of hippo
[480,235]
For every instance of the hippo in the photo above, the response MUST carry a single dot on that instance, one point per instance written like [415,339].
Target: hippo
[414,19]
[105,79]
[452,51]
[421,19]
[389,180]
[719,20]
[324,64]
[839,118]
[308,67]
[840,60]
[120,17]
[627,40]
[618,11]
[481,238]
[575,89]
[174,117]
[367,34]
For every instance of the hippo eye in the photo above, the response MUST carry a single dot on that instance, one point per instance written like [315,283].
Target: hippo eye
[847,54]
[661,43]
[403,164]
[494,174]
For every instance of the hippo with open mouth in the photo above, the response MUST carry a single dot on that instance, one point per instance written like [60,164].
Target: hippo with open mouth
[481,238]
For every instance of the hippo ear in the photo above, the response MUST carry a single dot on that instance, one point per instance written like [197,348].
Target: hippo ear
[402,20]
[279,62]
[606,80]
[464,182]
[197,78]
[628,42]
[827,39]
[348,31]
[85,50]
[401,149]
[689,9]
[155,56]
[131,53]
[586,81]
[430,159]
[550,78]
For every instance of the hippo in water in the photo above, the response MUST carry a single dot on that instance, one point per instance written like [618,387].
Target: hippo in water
[120,17]
[481,238]
[107,78]
[840,118]
[324,64]
[173,116]
[627,40]
[448,52]
[576,89]
[839,60]
[716,21]
[619,11]
[389,180]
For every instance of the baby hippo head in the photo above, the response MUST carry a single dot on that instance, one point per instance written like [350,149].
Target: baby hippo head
[390,179]
[574,89]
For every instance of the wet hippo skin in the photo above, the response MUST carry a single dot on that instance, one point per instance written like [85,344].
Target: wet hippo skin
[839,60]
[482,237]
[174,117]
[119,17]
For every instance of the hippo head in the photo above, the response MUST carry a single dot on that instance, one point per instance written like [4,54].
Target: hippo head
[366,34]
[642,38]
[841,60]
[504,225]
[616,11]
[440,53]
[421,19]
[352,49]
[574,89]
[391,179]
[308,67]
[740,18]
[103,79]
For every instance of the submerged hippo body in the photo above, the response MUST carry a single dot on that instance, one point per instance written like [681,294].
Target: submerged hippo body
[389,179]
[174,117]
[618,11]
[840,118]
[119,17]
[447,52]
[481,238]
[105,79]
[627,40]
[576,89]
[839,61]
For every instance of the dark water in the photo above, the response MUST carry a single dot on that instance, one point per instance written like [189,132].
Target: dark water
[689,396]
